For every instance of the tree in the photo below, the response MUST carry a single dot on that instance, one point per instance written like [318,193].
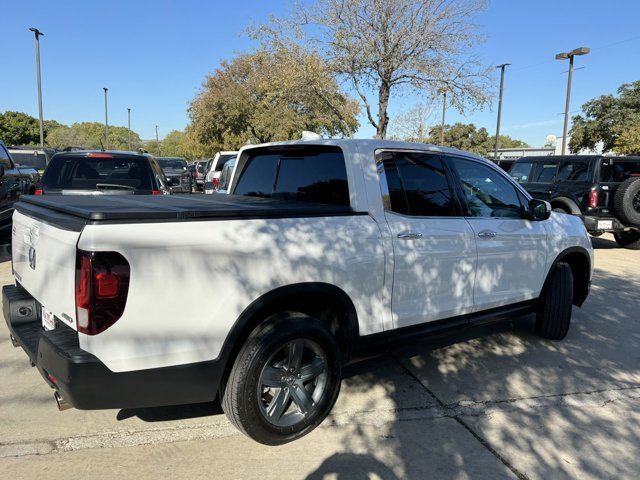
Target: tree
[412,125]
[628,142]
[389,47]
[606,118]
[270,95]
[17,128]
[91,135]
[469,138]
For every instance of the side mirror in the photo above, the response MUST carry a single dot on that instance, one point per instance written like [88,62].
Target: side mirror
[539,210]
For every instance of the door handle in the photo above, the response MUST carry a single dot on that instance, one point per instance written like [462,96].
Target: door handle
[487,234]
[409,235]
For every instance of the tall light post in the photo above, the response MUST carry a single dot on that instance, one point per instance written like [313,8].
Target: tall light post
[502,69]
[37,33]
[157,141]
[106,120]
[129,126]
[564,56]
[444,112]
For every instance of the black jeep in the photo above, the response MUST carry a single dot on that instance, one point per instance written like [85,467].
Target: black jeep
[603,191]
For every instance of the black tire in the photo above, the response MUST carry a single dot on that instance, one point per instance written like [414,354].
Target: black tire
[241,401]
[556,302]
[626,201]
[629,239]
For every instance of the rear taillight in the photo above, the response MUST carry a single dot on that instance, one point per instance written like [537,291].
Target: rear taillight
[216,182]
[102,285]
[593,198]
[38,192]
[156,192]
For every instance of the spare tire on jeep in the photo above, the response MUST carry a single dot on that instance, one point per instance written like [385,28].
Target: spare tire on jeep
[627,201]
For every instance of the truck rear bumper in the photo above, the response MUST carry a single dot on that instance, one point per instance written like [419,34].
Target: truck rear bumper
[85,382]
[601,224]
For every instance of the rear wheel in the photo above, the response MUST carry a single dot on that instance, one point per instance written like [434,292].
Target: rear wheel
[554,310]
[627,201]
[285,379]
[629,239]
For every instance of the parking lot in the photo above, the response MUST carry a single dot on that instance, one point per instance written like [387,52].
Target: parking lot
[494,402]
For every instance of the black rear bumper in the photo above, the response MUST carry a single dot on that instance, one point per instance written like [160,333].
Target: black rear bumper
[84,381]
[591,224]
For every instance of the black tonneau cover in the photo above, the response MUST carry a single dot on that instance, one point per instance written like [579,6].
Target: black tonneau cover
[128,208]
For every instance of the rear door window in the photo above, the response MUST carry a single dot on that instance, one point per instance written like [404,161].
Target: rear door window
[544,172]
[314,174]
[573,171]
[618,170]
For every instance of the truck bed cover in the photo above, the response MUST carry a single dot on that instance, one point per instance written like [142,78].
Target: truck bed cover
[90,209]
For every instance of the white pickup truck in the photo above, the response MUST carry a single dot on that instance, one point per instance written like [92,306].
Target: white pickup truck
[323,247]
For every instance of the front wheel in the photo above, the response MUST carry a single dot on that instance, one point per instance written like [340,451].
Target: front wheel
[629,239]
[285,379]
[556,302]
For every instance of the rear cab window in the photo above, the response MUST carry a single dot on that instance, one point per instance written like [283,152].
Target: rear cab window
[305,173]
[79,172]
[222,160]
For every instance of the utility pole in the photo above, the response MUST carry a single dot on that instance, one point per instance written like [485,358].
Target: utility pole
[502,69]
[129,126]
[444,111]
[157,141]
[564,56]
[106,120]
[39,34]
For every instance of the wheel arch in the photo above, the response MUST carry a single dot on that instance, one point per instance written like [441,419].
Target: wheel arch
[327,302]
[566,203]
[580,262]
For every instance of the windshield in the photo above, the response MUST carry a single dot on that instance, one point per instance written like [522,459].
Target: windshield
[171,163]
[84,173]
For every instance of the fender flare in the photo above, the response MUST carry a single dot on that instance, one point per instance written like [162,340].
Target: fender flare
[573,207]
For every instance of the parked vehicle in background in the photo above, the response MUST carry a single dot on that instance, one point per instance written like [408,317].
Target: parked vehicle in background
[37,159]
[215,165]
[504,164]
[14,181]
[177,173]
[103,173]
[323,247]
[604,191]
[225,176]
[199,173]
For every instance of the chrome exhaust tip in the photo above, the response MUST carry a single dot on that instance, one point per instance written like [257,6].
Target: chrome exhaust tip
[61,402]
[14,342]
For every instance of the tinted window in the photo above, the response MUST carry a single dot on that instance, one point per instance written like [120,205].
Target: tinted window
[418,185]
[544,172]
[4,157]
[615,170]
[222,160]
[312,174]
[225,176]
[83,173]
[172,163]
[200,167]
[521,171]
[573,171]
[487,192]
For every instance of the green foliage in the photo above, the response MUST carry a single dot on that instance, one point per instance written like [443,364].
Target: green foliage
[270,95]
[607,118]
[91,135]
[17,128]
[628,142]
[469,138]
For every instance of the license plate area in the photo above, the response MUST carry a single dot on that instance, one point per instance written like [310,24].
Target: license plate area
[605,224]
[48,320]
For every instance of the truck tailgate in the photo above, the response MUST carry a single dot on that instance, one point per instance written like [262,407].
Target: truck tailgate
[44,263]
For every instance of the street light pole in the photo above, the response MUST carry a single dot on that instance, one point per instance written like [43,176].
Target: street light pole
[129,126]
[564,56]
[157,141]
[444,111]
[106,120]
[38,34]
[497,144]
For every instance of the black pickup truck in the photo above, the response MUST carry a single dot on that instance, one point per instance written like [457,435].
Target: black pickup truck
[14,181]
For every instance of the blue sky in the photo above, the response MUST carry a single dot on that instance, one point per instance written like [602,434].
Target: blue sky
[153,56]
